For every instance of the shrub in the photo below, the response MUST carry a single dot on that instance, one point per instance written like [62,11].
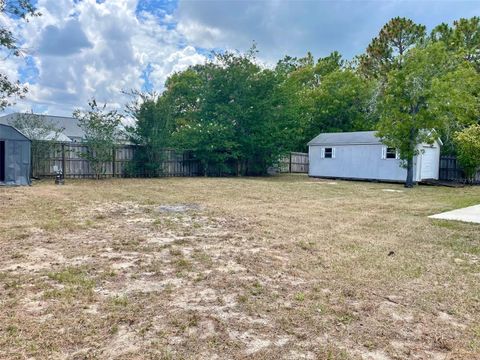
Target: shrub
[467,143]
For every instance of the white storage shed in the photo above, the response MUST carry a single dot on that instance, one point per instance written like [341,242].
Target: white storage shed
[361,155]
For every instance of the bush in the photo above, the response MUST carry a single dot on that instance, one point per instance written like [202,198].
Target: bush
[467,142]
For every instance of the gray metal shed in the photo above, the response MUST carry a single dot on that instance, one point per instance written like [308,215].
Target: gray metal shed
[15,157]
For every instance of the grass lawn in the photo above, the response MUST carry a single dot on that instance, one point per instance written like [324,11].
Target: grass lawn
[264,268]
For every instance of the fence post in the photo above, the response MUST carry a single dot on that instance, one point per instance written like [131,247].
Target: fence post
[31,161]
[63,160]
[290,163]
[113,161]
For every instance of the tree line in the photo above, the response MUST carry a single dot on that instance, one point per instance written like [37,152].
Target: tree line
[238,117]
[236,114]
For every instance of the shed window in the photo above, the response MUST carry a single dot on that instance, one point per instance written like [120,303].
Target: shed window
[328,153]
[390,153]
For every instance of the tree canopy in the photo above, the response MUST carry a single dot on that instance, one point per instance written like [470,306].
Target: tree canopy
[423,97]
[239,117]
[102,134]
[386,51]
[463,38]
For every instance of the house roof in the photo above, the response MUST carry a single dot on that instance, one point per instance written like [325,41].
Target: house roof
[346,138]
[68,124]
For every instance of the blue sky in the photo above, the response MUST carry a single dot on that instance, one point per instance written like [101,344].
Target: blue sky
[84,48]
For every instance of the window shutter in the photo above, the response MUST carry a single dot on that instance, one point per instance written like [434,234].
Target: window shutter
[397,154]
[322,153]
[333,153]
[384,152]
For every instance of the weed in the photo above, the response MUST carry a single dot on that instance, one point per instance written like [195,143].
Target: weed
[175,252]
[114,329]
[73,276]
[307,246]
[345,317]
[242,298]
[183,264]
[300,296]
[119,301]
[12,330]
[256,289]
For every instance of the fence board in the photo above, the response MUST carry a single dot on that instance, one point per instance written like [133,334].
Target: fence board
[68,157]
[295,162]
[450,170]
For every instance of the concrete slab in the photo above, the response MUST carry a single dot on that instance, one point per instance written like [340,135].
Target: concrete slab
[468,214]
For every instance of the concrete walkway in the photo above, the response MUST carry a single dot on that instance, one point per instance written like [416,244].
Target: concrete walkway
[468,214]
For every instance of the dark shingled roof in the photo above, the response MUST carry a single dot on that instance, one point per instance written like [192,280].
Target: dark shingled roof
[346,138]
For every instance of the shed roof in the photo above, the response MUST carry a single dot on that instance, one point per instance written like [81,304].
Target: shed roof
[8,132]
[346,138]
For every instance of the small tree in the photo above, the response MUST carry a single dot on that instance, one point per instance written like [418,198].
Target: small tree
[43,133]
[151,132]
[102,130]
[467,143]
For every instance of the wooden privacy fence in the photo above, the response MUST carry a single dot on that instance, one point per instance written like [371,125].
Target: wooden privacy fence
[450,170]
[68,158]
[295,162]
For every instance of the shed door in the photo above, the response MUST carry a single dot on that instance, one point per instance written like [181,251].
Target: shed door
[2,161]
[429,167]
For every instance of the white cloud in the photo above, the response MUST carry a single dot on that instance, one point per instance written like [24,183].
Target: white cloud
[175,62]
[71,36]
[202,34]
[84,49]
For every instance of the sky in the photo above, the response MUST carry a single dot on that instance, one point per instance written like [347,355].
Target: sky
[79,49]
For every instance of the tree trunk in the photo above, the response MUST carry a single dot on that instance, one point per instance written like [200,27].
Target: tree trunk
[409,182]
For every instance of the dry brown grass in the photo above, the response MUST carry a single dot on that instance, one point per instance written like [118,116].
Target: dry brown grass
[273,268]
